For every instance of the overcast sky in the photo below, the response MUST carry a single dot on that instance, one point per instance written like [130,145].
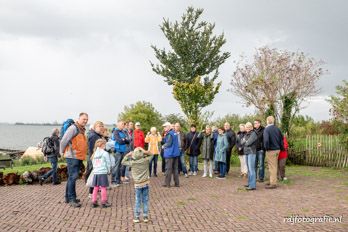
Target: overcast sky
[58,58]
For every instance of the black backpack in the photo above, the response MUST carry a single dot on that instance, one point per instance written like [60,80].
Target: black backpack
[47,146]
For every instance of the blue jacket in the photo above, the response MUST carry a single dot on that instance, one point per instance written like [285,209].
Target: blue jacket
[121,141]
[171,147]
[272,138]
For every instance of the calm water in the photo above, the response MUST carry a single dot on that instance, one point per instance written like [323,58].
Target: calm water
[21,137]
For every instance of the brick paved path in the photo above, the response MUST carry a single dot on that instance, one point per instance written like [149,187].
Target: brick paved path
[198,205]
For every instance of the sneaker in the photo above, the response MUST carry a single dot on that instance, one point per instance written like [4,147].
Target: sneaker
[210,175]
[56,183]
[195,173]
[220,177]
[285,178]
[186,176]
[41,180]
[260,180]
[146,219]
[190,173]
[90,195]
[250,189]
[155,175]
[136,220]
[115,185]
[204,175]
[94,205]
[271,187]
[75,204]
[106,205]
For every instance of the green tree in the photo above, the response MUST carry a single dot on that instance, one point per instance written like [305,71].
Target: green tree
[193,61]
[194,96]
[339,103]
[143,112]
[174,118]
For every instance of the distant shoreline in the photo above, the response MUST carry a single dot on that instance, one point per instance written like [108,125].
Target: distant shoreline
[36,124]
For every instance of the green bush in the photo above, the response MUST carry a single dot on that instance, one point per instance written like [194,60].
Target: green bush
[25,161]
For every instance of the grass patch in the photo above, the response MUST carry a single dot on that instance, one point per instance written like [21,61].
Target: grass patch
[241,189]
[242,218]
[286,182]
[345,183]
[30,168]
[180,203]
[321,172]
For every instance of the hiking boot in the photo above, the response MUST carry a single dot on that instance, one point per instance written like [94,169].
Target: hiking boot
[271,187]
[94,205]
[136,220]
[106,205]
[67,201]
[146,219]
[56,183]
[41,180]
[260,180]
[75,204]
[268,183]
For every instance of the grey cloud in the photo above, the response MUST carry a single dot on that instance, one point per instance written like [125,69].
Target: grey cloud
[67,51]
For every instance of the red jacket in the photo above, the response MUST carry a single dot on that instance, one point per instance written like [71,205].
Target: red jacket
[139,138]
[284,154]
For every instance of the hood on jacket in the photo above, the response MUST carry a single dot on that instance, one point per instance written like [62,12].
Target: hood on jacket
[138,154]
[98,153]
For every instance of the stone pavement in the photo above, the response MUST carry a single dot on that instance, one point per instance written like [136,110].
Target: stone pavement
[200,204]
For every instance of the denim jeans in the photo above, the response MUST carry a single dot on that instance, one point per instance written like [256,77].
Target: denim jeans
[251,170]
[163,162]
[222,168]
[260,162]
[73,166]
[182,162]
[216,166]
[154,162]
[53,171]
[116,171]
[193,163]
[141,197]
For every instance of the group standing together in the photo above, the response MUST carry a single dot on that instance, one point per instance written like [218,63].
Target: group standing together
[123,152]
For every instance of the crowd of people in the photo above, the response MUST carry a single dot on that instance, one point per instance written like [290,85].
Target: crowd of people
[128,151]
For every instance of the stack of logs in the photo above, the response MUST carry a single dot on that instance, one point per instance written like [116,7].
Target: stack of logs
[33,177]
